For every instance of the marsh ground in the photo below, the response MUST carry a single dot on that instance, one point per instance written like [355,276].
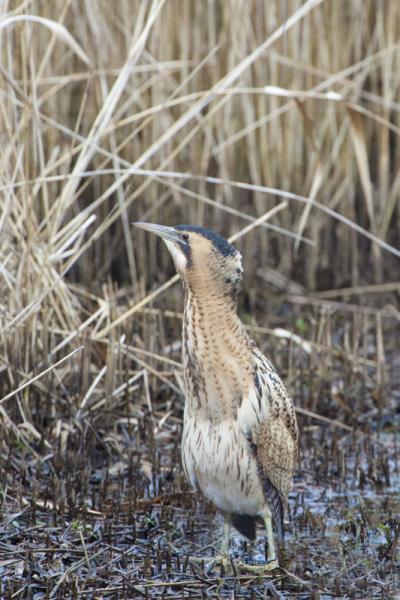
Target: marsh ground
[275,122]
[105,512]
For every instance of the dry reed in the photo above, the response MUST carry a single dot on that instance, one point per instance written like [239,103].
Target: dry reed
[211,113]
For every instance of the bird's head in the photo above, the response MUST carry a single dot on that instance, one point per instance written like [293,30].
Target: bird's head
[201,256]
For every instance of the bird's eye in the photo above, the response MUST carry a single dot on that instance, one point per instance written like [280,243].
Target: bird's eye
[185,236]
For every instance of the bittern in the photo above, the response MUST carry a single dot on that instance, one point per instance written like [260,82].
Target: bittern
[239,441]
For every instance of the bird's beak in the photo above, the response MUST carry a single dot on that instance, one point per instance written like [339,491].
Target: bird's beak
[166,233]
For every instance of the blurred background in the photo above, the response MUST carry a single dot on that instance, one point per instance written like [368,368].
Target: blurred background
[209,113]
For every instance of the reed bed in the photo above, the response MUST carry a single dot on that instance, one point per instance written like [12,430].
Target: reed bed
[275,123]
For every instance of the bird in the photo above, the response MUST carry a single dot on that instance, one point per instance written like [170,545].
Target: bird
[240,436]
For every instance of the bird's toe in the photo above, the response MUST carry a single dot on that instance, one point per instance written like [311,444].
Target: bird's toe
[260,569]
[223,559]
[219,560]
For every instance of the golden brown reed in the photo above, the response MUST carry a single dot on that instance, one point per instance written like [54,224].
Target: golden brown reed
[198,112]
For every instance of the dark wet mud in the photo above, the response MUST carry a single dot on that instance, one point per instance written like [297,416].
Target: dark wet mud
[99,508]
[127,527]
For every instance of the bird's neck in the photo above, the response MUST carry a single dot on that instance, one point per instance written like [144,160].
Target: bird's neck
[217,354]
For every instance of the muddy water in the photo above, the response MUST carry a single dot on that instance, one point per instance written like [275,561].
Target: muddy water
[122,523]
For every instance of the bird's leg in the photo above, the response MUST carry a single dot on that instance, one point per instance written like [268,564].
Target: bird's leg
[223,554]
[272,561]
[272,558]
[222,557]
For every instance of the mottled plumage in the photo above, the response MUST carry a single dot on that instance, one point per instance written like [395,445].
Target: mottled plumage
[239,442]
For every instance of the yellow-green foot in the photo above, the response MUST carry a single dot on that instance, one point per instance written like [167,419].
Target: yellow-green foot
[219,560]
[261,569]
[223,560]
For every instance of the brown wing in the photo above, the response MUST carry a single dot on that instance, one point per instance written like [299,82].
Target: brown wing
[275,440]
[276,453]
[276,456]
